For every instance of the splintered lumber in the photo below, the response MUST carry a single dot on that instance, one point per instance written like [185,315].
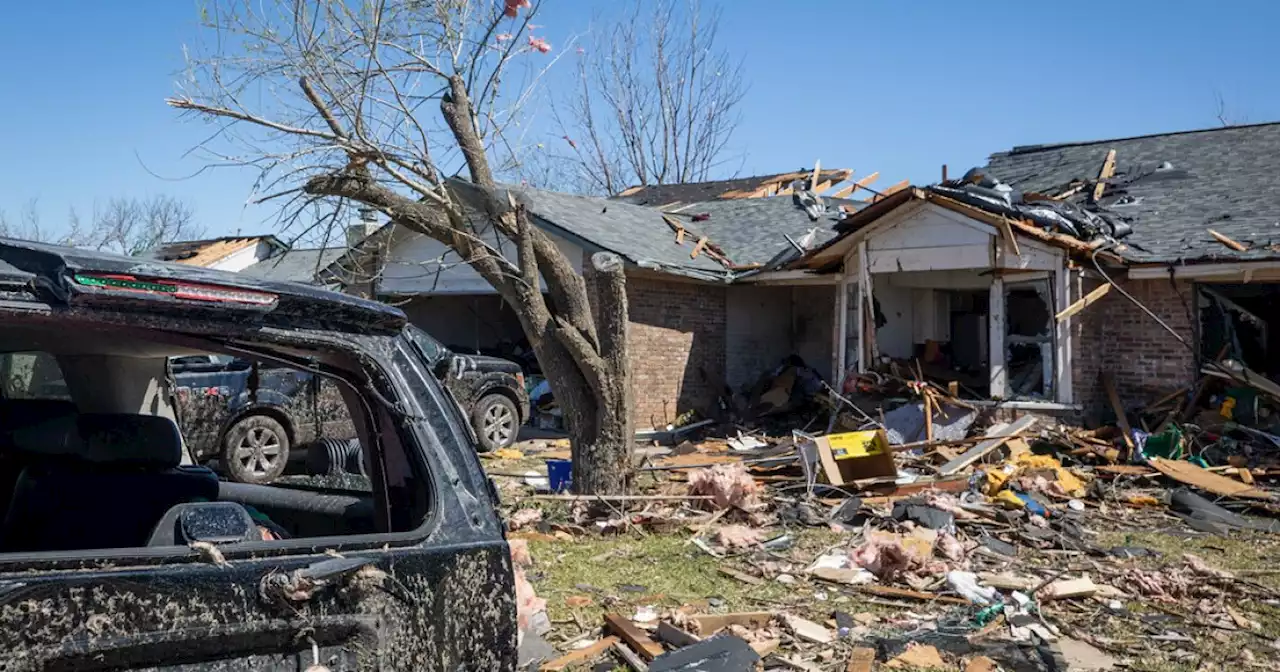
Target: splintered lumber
[1113,397]
[697,249]
[849,190]
[633,636]
[908,594]
[891,191]
[998,434]
[1245,374]
[1195,476]
[675,636]
[1238,247]
[1006,232]
[1069,589]
[1086,301]
[628,656]
[1108,170]
[580,656]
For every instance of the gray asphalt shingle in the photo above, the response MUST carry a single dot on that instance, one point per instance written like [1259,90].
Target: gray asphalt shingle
[752,230]
[1224,179]
[295,265]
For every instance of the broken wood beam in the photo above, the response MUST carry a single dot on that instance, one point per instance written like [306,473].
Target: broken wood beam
[634,662]
[633,636]
[710,623]
[1006,232]
[907,594]
[860,184]
[697,249]
[1108,170]
[979,451]
[1238,247]
[891,191]
[1113,397]
[1084,302]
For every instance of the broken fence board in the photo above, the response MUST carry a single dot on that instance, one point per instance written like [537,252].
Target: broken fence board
[1195,476]
[907,594]
[979,451]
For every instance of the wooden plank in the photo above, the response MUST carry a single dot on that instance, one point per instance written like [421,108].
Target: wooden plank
[817,172]
[580,656]
[1193,475]
[741,576]
[998,366]
[697,249]
[1006,232]
[1088,300]
[979,451]
[861,660]
[907,594]
[633,636]
[1109,384]
[860,184]
[1108,170]
[1238,247]
[891,191]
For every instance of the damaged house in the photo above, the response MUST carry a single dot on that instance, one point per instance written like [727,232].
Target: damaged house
[1059,277]
[705,322]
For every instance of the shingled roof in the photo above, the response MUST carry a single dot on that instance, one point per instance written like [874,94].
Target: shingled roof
[295,265]
[662,195]
[1171,188]
[754,230]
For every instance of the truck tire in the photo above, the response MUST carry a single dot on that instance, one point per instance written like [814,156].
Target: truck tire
[496,421]
[255,450]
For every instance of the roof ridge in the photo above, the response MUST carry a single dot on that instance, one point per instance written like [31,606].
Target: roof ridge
[1030,149]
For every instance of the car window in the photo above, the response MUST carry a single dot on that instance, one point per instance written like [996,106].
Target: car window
[32,375]
[431,349]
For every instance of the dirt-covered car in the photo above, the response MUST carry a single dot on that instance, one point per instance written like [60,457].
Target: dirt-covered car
[119,551]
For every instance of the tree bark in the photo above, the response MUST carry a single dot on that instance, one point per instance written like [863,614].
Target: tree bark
[602,464]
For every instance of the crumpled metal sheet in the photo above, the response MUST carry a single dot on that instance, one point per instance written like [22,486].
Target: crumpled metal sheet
[905,424]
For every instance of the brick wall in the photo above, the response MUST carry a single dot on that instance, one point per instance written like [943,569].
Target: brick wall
[677,347]
[757,332]
[1115,335]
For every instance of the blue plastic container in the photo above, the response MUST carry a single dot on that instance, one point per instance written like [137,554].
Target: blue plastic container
[560,474]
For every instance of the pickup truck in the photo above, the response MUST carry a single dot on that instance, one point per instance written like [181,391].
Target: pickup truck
[251,417]
[119,551]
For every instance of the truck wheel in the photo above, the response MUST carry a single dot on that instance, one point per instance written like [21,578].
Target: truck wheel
[255,450]
[496,422]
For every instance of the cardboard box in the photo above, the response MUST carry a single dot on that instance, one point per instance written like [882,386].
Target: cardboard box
[856,456]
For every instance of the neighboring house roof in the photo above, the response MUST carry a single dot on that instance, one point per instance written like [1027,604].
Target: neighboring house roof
[207,252]
[691,192]
[295,265]
[1170,188]
[755,230]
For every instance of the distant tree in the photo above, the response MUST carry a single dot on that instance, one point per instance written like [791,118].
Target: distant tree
[655,100]
[124,225]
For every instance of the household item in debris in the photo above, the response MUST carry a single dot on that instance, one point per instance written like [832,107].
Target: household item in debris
[854,456]
[1167,444]
[560,475]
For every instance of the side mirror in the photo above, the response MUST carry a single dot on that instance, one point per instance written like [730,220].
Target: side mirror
[450,366]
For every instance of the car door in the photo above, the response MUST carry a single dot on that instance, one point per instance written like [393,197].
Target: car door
[437,596]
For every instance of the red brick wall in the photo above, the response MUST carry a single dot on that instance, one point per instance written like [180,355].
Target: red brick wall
[677,347]
[1115,335]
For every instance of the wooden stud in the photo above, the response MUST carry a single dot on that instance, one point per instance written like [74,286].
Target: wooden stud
[1109,384]
[1108,170]
[928,416]
[817,172]
[891,191]
[860,184]
[1006,231]
[697,249]
[1088,300]
[1227,241]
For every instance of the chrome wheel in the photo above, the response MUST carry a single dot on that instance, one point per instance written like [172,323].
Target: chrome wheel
[259,451]
[499,425]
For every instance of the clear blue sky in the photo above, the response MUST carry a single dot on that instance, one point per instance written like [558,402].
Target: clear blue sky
[899,87]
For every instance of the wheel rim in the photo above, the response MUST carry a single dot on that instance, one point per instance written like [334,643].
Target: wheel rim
[259,451]
[499,424]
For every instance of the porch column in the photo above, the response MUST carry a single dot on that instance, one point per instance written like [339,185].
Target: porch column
[1062,293]
[995,340]
[866,306]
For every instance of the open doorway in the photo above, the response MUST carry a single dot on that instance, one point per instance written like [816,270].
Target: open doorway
[1029,339]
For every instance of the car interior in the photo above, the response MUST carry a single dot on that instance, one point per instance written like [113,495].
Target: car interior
[92,456]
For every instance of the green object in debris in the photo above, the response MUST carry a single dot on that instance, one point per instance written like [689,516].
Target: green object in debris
[988,614]
[1166,444]
[1198,461]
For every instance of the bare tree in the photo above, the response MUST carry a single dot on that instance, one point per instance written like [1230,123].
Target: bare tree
[374,103]
[125,225]
[655,100]
[132,226]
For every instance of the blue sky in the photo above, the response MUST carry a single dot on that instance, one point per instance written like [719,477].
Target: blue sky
[898,87]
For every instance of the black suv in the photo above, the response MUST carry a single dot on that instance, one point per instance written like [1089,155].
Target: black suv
[118,551]
[250,416]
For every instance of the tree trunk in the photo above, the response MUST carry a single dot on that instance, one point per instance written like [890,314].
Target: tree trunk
[602,463]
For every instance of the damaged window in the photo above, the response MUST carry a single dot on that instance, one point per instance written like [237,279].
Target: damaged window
[1029,339]
[1236,324]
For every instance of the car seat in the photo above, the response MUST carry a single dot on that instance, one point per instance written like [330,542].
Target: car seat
[103,482]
